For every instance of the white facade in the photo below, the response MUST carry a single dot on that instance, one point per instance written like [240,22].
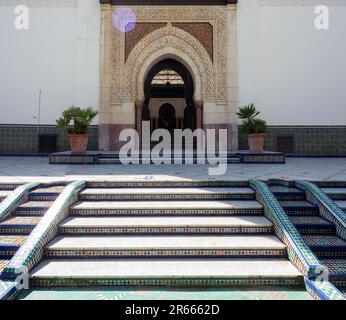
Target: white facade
[292,71]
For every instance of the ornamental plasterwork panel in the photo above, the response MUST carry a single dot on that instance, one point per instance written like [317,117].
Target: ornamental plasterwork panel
[216,16]
[171,37]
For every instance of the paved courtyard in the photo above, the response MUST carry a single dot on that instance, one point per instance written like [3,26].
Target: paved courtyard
[23,169]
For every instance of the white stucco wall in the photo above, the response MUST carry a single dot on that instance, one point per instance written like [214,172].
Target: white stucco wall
[292,71]
[59,54]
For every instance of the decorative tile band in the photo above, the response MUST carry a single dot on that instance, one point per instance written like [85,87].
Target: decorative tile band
[165,212]
[31,251]
[16,198]
[143,197]
[323,290]
[171,282]
[328,208]
[147,183]
[217,230]
[298,251]
[144,253]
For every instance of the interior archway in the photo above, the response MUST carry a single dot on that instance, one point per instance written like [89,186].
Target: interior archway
[169,83]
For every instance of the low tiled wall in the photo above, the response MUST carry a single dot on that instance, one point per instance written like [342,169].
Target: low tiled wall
[18,139]
[309,141]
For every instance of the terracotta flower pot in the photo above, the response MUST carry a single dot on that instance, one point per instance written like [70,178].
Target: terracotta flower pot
[78,142]
[256,142]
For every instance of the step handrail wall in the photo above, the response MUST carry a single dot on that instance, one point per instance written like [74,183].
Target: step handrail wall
[31,252]
[16,198]
[299,253]
[328,208]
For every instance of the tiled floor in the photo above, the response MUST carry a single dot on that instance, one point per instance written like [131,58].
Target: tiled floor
[27,169]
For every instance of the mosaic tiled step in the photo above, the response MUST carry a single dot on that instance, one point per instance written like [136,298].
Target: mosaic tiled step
[167,225]
[166,246]
[46,194]
[341,204]
[326,245]
[312,225]
[3,264]
[4,194]
[161,208]
[19,224]
[168,194]
[283,193]
[335,193]
[33,208]
[9,244]
[299,208]
[166,272]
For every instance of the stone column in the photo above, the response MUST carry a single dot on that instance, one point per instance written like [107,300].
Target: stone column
[139,107]
[199,114]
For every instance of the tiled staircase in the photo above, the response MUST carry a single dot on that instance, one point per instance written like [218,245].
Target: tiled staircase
[15,229]
[197,234]
[319,234]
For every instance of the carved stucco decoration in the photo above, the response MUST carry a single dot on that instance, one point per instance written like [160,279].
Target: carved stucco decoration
[141,30]
[203,31]
[175,38]
[213,77]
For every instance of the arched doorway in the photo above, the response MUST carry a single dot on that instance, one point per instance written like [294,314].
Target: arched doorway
[169,96]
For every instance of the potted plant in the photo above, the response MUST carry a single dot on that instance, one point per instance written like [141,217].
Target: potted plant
[253,127]
[77,122]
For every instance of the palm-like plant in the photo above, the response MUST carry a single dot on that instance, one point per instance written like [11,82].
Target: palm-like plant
[251,124]
[77,120]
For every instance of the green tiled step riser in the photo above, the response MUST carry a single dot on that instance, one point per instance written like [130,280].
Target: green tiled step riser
[301,211]
[162,197]
[22,231]
[168,184]
[316,230]
[330,184]
[154,253]
[152,282]
[337,196]
[165,212]
[290,197]
[48,197]
[9,186]
[330,254]
[164,230]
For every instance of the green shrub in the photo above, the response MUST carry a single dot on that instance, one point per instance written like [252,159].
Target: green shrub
[251,124]
[76,120]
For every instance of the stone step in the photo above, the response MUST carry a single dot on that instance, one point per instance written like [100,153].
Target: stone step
[172,208]
[299,208]
[104,160]
[46,194]
[167,225]
[283,193]
[33,208]
[335,193]
[165,246]
[166,272]
[4,194]
[131,194]
[312,225]
[19,224]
